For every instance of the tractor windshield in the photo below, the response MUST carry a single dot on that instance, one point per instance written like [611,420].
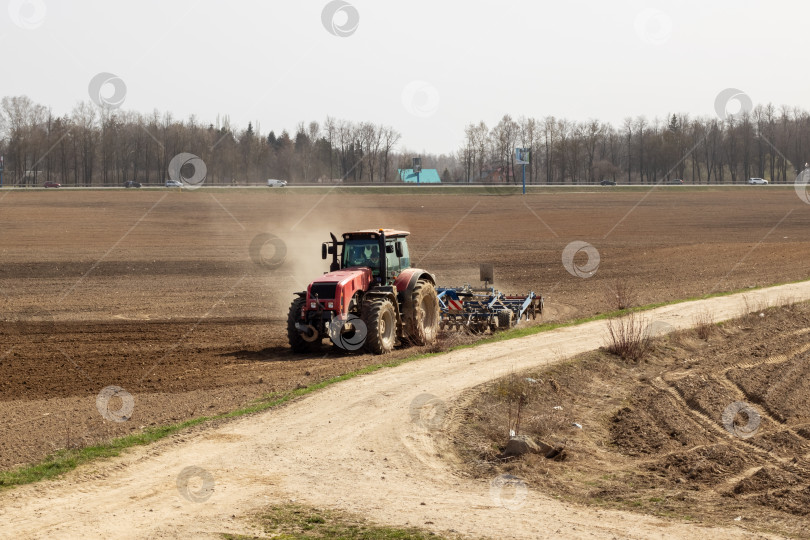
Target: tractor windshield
[362,253]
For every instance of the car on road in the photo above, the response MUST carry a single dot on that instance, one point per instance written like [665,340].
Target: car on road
[52,184]
[276,183]
[131,183]
[675,182]
[758,181]
[607,183]
[174,183]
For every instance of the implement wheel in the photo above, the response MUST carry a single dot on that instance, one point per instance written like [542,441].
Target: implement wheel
[504,320]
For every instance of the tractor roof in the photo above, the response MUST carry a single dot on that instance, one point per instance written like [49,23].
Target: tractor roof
[374,233]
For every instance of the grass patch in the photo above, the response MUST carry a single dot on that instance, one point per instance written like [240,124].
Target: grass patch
[68,459]
[300,522]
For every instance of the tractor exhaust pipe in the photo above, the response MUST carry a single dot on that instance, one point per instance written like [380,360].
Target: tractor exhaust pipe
[383,257]
[308,332]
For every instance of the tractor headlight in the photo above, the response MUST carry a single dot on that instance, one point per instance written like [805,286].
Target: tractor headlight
[330,305]
[313,305]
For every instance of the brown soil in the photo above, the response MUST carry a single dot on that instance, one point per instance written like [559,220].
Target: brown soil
[377,446]
[657,436]
[157,293]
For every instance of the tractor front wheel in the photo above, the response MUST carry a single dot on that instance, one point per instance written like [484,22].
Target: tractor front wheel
[381,324]
[297,341]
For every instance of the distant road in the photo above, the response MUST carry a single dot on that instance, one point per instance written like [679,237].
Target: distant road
[496,188]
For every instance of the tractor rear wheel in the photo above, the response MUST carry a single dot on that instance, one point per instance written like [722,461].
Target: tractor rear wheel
[297,341]
[381,325]
[424,318]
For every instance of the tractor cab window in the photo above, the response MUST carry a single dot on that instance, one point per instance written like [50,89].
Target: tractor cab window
[362,253]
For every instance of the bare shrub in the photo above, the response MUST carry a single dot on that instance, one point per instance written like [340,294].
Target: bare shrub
[516,391]
[786,302]
[746,309]
[620,294]
[628,338]
[704,324]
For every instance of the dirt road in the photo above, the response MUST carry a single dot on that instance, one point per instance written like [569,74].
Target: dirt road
[361,446]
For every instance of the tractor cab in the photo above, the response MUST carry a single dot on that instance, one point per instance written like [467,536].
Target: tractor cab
[384,251]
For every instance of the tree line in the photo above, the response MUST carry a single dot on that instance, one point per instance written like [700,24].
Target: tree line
[765,142]
[95,146]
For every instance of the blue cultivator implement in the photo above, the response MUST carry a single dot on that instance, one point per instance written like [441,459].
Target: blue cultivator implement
[479,309]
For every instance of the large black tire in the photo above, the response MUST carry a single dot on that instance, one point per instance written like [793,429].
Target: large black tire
[297,342]
[381,324]
[422,322]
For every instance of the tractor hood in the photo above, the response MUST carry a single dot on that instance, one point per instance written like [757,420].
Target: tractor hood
[335,290]
[347,274]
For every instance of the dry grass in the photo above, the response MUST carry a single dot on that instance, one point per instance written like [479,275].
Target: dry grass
[450,339]
[704,325]
[628,338]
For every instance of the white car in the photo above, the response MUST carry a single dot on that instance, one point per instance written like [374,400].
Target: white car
[760,181]
[173,183]
[276,183]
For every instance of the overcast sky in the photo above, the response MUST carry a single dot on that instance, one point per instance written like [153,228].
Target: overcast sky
[427,68]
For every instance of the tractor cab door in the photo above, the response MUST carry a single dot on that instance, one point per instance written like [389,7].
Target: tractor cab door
[397,256]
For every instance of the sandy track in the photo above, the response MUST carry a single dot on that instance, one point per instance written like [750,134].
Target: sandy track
[353,446]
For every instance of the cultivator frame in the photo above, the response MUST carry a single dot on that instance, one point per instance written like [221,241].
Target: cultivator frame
[485,308]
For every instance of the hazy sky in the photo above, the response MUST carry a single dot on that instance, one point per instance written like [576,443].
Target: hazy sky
[425,68]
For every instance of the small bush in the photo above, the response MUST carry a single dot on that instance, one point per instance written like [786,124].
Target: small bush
[620,294]
[628,338]
[516,391]
[704,324]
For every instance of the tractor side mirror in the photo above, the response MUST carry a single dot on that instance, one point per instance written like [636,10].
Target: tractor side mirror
[323,251]
[398,247]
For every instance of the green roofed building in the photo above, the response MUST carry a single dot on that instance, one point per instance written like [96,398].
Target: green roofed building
[427,176]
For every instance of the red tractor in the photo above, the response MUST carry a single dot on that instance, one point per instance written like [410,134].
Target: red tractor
[371,297]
